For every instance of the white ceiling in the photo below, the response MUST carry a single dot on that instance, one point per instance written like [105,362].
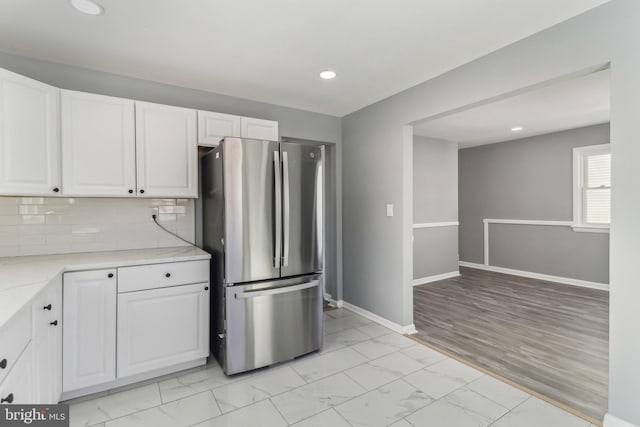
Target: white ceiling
[567,104]
[273,50]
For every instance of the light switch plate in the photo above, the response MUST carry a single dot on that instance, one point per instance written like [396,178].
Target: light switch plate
[390,209]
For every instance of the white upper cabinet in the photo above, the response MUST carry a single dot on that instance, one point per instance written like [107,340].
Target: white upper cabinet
[29,136]
[166,151]
[259,129]
[98,145]
[212,127]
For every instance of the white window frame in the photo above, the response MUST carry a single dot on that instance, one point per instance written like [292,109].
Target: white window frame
[579,155]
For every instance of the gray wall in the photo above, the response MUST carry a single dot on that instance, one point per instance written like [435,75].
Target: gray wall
[435,180]
[377,169]
[292,123]
[529,178]
[435,251]
[435,199]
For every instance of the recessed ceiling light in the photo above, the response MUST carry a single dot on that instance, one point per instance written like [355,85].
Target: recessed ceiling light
[516,128]
[327,74]
[87,6]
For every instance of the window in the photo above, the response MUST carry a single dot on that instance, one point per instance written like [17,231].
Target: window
[592,188]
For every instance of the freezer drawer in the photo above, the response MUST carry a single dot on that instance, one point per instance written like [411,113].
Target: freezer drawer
[272,322]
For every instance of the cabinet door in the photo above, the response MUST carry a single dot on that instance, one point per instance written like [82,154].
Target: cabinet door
[18,386]
[98,145]
[259,129]
[89,334]
[162,327]
[29,136]
[166,151]
[47,343]
[212,127]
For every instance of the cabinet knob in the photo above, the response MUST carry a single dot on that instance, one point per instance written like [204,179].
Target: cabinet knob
[110,275]
[56,189]
[47,307]
[54,323]
[206,288]
[3,363]
[130,191]
[167,275]
[8,399]
[141,191]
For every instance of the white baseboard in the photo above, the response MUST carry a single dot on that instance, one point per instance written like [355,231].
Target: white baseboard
[332,302]
[612,421]
[405,330]
[435,278]
[539,276]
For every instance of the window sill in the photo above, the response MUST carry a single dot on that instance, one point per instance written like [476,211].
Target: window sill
[587,228]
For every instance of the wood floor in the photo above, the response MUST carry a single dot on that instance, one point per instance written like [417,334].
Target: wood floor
[548,337]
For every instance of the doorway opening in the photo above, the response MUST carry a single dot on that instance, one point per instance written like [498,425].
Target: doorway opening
[511,204]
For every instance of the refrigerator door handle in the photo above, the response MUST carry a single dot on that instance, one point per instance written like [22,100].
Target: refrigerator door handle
[281,290]
[286,209]
[278,208]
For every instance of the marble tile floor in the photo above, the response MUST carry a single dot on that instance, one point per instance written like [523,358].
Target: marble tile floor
[366,375]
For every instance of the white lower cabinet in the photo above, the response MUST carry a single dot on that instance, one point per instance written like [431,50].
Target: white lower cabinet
[47,343]
[162,327]
[89,339]
[31,350]
[113,337]
[20,383]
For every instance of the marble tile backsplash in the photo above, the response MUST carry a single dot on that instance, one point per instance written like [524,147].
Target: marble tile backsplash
[48,225]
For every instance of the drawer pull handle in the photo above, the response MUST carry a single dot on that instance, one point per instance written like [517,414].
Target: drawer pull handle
[167,275]
[130,191]
[56,190]
[47,307]
[3,363]
[8,399]
[54,323]
[206,288]
[110,275]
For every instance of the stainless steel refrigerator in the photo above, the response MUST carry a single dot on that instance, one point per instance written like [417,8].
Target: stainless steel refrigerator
[262,213]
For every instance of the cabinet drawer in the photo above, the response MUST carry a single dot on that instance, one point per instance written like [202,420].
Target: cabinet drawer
[19,387]
[162,275]
[14,337]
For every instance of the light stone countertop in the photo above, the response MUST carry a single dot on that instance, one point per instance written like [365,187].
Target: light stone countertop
[23,277]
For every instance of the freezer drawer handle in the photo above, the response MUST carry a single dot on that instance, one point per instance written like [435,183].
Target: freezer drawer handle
[282,290]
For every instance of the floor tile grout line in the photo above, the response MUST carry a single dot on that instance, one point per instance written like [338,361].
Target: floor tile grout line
[489,398]
[279,411]
[217,403]
[341,416]
[152,407]
[508,412]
